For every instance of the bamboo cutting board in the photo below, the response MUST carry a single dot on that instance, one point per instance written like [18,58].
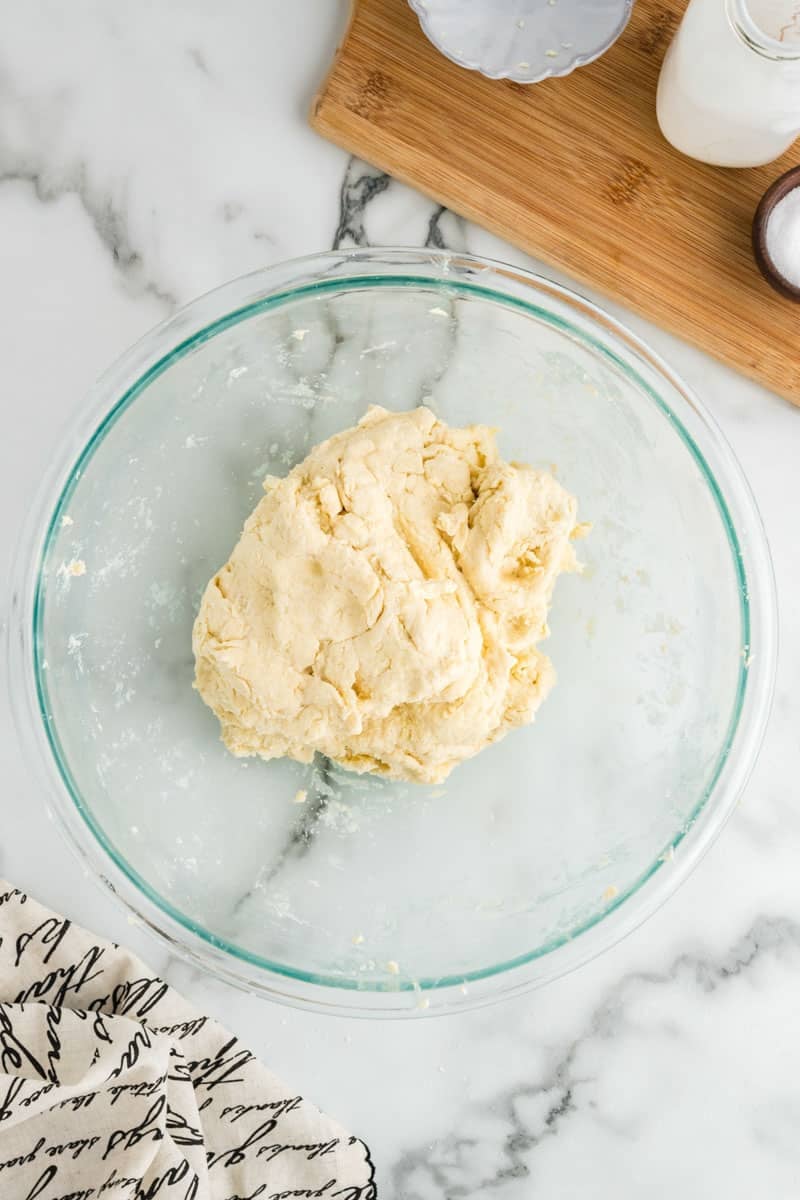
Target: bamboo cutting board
[575,172]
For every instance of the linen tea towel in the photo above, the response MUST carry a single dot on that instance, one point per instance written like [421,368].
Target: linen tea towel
[113,1088]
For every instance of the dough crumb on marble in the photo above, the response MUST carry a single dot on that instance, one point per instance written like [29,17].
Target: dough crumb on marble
[385,601]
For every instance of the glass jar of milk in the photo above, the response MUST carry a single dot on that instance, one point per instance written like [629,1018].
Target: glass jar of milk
[729,91]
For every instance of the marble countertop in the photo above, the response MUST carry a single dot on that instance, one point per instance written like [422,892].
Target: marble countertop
[150,152]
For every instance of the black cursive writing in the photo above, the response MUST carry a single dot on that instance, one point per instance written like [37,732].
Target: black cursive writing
[237,1154]
[13,1052]
[134,996]
[14,1088]
[51,933]
[312,1150]
[57,985]
[141,1040]
[149,1126]
[175,1174]
[211,1072]
[279,1108]
[42,1182]
[23,1160]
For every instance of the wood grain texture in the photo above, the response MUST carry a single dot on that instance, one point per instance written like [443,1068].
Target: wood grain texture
[576,172]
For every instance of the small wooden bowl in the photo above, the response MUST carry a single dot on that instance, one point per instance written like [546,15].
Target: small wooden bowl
[774,193]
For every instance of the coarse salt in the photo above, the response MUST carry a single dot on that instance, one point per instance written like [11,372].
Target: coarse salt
[783,237]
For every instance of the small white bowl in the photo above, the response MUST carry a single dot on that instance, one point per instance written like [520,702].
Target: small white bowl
[523,40]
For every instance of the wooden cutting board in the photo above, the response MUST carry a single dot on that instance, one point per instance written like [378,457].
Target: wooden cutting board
[575,172]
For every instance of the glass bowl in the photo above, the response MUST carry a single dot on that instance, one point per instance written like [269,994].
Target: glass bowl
[377,897]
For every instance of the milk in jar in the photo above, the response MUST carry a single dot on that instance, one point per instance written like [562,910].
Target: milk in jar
[729,90]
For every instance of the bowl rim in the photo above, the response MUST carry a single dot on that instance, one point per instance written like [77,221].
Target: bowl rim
[271,287]
[778,190]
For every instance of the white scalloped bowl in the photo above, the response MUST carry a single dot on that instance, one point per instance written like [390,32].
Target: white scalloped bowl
[523,40]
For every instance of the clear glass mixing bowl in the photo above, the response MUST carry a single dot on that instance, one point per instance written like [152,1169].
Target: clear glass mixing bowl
[376,897]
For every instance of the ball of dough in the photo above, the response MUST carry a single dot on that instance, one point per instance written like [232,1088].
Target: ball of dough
[385,601]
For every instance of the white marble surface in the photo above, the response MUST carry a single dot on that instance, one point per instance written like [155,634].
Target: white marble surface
[149,152]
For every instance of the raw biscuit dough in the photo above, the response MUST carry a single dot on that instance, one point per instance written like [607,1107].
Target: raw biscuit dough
[385,600]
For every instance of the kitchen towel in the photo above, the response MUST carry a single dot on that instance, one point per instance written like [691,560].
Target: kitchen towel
[113,1088]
